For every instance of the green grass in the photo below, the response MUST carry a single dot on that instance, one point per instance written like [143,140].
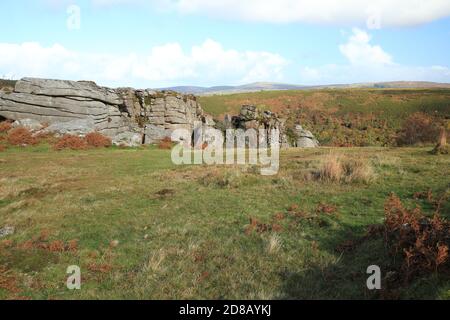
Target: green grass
[191,242]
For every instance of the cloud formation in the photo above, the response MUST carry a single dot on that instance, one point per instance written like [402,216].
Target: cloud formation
[378,13]
[369,63]
[208,63]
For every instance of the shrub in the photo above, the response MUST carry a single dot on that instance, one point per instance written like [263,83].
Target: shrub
[97,140]
[336,169]
[5,126]
[418,128]
[2,147]
[165,144]
[331,169]
[70,142]
[357,171]
[21,137]
[421,242]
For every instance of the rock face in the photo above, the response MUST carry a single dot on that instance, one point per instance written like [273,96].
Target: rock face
[250,117]
[81,107]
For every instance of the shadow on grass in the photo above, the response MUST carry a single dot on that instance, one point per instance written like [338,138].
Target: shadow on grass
[347,276]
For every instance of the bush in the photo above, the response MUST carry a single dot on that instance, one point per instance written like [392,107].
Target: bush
[97,140]
[357,171]
[165,144]
[21,137]
[70,142]
[5,126]
[421,242]
[2,148]
[418,128]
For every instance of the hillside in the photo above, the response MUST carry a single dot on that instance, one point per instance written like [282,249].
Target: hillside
[341,117]
[270,86]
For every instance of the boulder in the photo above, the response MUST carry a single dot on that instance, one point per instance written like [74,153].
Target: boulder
[306,143]
[30,124]
[128,139]
[305,138]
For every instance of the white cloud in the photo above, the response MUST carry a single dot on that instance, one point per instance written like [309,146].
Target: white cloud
[342,12]
[207,64]
[370,13]
[359,51]
[369,63]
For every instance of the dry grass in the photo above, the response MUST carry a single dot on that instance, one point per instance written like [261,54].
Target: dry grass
[344,170]
[70,142]
[97,140]
[5,126]
[21,137]
[331,169]
[274,244]
[165,144]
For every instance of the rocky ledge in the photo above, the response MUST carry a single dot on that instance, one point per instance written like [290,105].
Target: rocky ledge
[126,115]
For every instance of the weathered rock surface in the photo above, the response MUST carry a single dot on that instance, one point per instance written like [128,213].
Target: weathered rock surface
[128,139]
[79,127]
[30,124]
[305,138]
[71,107]
[250,117]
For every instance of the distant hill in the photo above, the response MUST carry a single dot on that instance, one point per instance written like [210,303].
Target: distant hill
[271,86]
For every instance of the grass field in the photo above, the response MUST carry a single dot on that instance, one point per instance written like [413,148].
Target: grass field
[141,228]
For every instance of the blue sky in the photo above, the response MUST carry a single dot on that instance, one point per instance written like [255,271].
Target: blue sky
[156,43]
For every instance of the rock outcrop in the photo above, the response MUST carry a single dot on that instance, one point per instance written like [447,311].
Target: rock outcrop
[128,116]
[304,138]
[250,117]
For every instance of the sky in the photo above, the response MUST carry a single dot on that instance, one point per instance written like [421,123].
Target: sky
[161,43]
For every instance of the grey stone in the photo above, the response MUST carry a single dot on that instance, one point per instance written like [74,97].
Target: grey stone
[71,107]
[154,134]
[306,143]
[30,124]
[128,139]
[62,88]
[6,231]
[80,127]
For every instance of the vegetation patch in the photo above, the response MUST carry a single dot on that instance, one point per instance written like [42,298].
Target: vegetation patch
[97,140]
[21,137]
